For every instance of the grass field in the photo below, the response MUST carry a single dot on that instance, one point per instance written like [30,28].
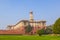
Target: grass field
[25,37]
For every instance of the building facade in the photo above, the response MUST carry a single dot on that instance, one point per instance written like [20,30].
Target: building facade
[20,26]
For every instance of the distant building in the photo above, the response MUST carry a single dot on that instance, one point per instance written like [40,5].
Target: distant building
[37,25]
[19,28]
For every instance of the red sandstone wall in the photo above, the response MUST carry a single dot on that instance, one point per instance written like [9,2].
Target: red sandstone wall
[19,31]
[10,32]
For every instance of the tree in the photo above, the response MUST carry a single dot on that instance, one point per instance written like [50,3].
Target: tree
[48,30]
[56,26]
[40,32]
[28,28]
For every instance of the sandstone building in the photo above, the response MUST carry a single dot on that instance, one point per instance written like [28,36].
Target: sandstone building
[19,28]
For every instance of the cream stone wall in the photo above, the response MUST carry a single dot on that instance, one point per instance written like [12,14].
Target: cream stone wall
[34,24]
[21,24]
[26,24]
[39,24]
[31,24]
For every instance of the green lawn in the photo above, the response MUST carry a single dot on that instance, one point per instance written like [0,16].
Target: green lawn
[25,37]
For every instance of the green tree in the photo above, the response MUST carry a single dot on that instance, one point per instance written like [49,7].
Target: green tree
[28,28]
[56,26]
[40,32]
[48,30]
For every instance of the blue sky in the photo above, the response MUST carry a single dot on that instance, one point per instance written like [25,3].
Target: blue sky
[12,11]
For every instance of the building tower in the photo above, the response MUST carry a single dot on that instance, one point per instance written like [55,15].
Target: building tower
[31,16]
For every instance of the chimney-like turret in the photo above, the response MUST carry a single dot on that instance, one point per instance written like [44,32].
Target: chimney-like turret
[31,16]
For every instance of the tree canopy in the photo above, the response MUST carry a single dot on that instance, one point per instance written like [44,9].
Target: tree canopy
[56,26]
[28,28]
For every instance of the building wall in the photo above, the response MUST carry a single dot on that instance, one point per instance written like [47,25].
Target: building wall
[20,28]
[36,26]
[21,24]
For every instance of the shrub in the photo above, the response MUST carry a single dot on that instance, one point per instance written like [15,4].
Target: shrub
[40,32]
